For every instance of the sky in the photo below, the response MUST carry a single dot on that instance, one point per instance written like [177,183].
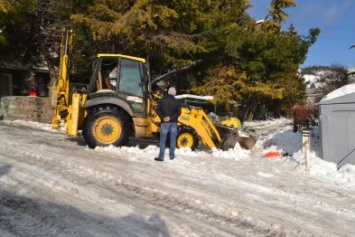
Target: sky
[334,18]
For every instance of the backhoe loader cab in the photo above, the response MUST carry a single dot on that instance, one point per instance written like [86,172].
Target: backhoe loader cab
[123,76]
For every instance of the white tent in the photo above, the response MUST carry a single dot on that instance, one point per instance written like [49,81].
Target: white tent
[337,125]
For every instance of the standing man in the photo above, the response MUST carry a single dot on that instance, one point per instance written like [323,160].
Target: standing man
[169,110]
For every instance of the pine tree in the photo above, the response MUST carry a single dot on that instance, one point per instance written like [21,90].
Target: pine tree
[262,64]
[168,32]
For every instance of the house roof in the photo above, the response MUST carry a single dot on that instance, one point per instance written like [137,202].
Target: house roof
[22,67]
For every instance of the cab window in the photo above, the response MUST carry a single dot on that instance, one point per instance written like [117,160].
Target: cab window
[130,78]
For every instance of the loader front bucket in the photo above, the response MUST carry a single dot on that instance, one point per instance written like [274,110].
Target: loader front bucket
[230,137]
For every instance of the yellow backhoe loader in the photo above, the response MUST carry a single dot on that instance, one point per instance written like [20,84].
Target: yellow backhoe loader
[120,103]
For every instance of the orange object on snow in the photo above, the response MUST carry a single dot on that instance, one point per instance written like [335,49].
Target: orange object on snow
[272,154]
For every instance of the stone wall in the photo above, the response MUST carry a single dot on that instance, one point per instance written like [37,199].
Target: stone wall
[36,109]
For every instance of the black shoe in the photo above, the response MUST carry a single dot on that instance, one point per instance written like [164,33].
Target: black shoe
[172,158]
[158,159]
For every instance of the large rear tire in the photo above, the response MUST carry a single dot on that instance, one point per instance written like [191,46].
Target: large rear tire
[106,126]
[186,137]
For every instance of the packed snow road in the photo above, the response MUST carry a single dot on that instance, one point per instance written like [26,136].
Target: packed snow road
[51,185]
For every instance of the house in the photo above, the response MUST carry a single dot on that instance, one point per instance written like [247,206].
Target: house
[16,78]
[15,102]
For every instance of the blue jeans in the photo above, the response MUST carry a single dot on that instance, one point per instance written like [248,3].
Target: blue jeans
[165,128]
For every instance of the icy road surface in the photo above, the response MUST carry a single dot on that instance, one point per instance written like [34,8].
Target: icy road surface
[51,185]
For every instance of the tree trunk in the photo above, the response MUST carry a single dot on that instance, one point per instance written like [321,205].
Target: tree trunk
[250,112]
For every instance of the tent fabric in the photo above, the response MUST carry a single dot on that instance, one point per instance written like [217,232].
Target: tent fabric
[343,94]
[336,125]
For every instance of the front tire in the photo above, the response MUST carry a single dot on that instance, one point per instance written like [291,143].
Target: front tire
[106,126]
[186,137]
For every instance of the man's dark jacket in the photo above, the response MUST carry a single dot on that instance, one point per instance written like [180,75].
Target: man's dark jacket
[169,106]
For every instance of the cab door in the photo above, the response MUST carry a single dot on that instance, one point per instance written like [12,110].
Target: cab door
[131,85]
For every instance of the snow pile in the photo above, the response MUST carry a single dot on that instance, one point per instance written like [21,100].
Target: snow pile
[274,135]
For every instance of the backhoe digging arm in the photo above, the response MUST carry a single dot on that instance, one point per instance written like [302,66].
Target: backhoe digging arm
[62,89]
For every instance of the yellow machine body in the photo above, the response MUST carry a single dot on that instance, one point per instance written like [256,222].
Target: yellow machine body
[118,104]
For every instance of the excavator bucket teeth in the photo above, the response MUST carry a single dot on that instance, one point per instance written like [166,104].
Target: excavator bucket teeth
[232,138]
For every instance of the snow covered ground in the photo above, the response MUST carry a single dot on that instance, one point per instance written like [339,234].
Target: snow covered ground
[52,185]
